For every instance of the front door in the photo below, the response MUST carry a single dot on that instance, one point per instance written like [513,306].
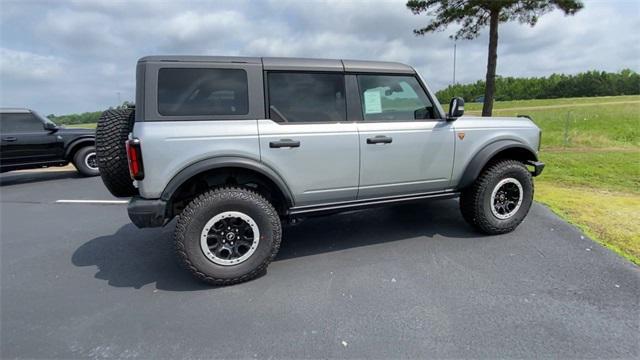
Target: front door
[405,148]
[307,139]
[25,141]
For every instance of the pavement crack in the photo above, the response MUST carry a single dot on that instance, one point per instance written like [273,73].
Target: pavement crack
[539,251]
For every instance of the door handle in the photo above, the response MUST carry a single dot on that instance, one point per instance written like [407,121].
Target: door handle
[284,143]
[380,139]
[10,138]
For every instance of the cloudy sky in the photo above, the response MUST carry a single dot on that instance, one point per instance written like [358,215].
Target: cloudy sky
[72,56]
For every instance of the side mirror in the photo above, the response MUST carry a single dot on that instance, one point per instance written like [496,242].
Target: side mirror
[49,126]
[456,108]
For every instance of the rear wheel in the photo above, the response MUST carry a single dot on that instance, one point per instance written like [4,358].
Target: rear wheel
[499,199]
[228,235]
[85,161]
[112,132]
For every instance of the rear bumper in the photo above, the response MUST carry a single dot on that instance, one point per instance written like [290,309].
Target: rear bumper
[147,213]
[538,166]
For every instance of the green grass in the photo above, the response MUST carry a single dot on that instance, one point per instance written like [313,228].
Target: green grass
[572,102]
[580,122]
[610,218]
[592,150]
[606,170]
[85,126]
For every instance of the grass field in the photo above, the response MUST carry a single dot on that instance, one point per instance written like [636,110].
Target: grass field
[86,126]
[592,150]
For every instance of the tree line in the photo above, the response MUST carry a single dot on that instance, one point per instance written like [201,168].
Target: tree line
[590,83]
[83,118]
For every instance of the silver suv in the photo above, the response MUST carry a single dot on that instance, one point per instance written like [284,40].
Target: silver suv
[236,146]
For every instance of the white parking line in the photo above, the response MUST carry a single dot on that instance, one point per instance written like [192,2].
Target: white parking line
[92,201]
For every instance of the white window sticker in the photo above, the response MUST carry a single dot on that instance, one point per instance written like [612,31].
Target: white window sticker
[372,102]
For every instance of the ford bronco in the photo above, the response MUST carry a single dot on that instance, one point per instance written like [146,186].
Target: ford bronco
[31,141]
[236,146]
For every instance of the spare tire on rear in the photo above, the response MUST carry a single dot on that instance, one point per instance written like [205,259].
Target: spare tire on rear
[112,132]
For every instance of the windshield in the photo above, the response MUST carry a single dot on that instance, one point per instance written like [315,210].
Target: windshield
[42,118]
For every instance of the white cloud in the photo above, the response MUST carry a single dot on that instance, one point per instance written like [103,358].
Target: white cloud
[89,48]
[29,67]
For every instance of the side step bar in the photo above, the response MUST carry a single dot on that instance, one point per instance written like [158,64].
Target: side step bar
[363,204]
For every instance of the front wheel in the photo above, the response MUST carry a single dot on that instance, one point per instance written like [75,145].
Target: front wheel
[499,199]
[86,162]
[228,235]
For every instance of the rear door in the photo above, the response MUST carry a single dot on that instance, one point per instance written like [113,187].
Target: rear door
[307,138]
[405,147]
[25,141]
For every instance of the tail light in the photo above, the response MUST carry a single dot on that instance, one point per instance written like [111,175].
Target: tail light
[134,155]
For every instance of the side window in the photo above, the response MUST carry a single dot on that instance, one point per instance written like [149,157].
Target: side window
[190,92]
[393,98]
[306,97]
[20,123]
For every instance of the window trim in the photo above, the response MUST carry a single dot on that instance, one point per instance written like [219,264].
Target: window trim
[254,88]
[354,102]
[416,77]
[246,78]
[267,99]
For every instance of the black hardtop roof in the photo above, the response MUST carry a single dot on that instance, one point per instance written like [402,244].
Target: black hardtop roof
[283,63]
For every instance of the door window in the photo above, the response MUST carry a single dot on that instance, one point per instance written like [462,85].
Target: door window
[191,92]
[393,98]
[20,123]
[306,97]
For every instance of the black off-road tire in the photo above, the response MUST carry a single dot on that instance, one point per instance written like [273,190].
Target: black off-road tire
[112,132]
[84,160]
[476,202]
[195,216]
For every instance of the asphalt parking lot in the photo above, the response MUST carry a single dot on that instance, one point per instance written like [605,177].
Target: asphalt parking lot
[412,281]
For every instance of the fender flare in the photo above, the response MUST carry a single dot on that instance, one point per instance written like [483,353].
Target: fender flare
[225,161]
[76,143]
[478,162]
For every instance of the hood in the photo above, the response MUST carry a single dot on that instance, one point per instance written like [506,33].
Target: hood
[76,131]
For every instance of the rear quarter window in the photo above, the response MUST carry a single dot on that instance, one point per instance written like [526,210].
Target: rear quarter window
[193,92]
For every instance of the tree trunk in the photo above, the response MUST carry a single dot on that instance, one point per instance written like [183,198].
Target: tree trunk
[490,84]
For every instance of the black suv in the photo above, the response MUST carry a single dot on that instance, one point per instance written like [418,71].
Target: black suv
[30,140]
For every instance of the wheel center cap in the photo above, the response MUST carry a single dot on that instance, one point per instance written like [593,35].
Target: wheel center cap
[230,236]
